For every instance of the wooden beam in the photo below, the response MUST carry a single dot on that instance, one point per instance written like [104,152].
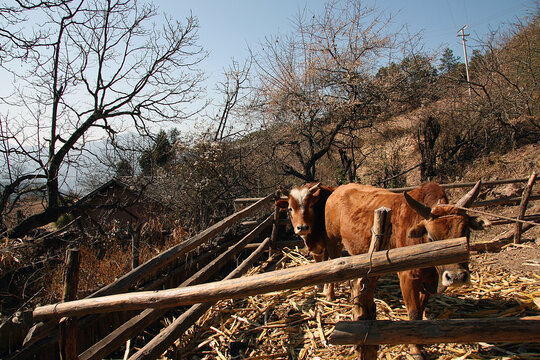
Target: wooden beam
[166,337]
[503,201]
[519,330]
[382,262]
[139,322]
[523,206]
[176,251]
[280,244]
[123,283]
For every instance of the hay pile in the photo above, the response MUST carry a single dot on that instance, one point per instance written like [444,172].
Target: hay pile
[295,324]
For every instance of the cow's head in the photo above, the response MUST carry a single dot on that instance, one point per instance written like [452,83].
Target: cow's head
[301,203]
[447,222]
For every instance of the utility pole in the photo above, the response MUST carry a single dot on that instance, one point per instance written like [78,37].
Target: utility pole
[463,35]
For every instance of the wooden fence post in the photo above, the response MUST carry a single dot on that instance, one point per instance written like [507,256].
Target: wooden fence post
[68,325]
[275,230]
[134,246]
[523,207]
[379,241]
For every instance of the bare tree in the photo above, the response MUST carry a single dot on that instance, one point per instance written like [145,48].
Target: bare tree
[317,83]
[234,90]
[91,69]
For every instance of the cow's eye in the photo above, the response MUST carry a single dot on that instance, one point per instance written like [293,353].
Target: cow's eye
[290,209]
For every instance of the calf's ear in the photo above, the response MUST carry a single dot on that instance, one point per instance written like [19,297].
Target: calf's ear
[478,222]
[417,231]
[282,204]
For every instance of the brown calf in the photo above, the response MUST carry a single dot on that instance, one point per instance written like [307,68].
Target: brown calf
[306,210]
[420,216]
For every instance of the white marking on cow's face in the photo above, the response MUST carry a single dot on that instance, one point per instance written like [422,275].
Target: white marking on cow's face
[300,196]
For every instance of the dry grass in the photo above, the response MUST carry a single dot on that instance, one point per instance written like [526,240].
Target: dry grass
[296,324]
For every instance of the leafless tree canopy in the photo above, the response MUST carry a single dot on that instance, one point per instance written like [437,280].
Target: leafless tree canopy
[317,82]
[84,69]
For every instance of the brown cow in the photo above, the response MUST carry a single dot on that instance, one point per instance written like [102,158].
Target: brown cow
[306,210]
[420,216]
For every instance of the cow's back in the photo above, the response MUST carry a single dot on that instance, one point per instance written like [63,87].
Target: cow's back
[350,210]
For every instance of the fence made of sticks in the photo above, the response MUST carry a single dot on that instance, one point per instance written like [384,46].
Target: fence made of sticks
[136,294]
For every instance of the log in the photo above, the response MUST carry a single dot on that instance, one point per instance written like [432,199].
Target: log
[519,330]
[444,186]
[165,338]
[280,244]
[138,323]
[173,253]
[382,262]
[67,338]
[530,218]
[123,283]
[523,206]
[503,201]
[499,241]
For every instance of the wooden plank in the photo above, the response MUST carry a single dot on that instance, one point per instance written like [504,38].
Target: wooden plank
[155,347]
[382,262]
[519,330]
[138,323]
[523,206]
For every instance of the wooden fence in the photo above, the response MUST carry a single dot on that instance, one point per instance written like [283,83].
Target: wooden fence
[146,307]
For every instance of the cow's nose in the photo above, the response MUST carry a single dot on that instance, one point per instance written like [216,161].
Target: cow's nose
[455,277]
[302,228]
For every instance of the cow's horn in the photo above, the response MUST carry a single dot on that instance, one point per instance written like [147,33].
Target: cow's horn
[469,197]
[314,188]
[421,209]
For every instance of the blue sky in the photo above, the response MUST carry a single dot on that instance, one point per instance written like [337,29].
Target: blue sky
[227,28]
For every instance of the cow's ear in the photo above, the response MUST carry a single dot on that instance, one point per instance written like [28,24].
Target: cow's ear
[417,231]
[282,204]
[478,222]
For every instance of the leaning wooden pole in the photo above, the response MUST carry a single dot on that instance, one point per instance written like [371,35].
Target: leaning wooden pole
[382,262]
[165,338]
[523,206]
[122,284]
[519,330]
[139,322]
[67,339]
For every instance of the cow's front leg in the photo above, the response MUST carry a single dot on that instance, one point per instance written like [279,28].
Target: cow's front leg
[364,308]
[331,252]
[319,256]
[415,302]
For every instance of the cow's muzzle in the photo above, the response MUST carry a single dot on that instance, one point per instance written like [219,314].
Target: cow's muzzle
[455,277]
[302,229]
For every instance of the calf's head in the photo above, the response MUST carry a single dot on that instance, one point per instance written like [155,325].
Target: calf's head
[301,203]
[447,222]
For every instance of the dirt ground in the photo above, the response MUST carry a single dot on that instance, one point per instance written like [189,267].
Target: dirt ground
[512,260]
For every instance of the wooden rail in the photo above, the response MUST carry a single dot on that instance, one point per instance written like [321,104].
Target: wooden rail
[382,262]
[46,333]
[502,201]
[520,330]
